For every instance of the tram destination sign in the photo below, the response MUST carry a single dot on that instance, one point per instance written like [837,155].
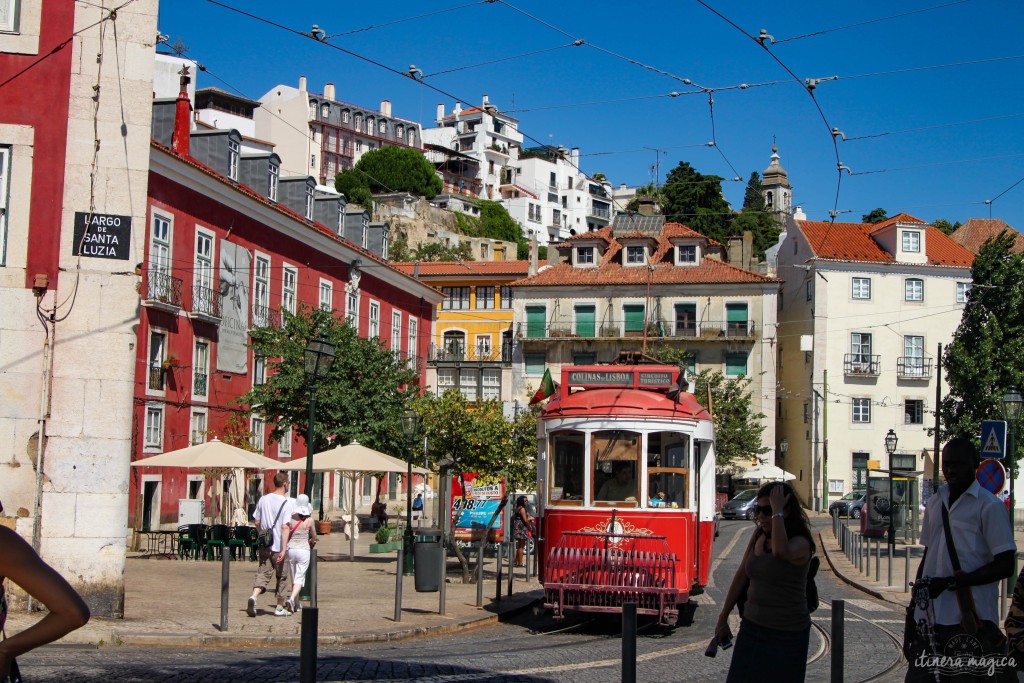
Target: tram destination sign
[645,379]
[102,235]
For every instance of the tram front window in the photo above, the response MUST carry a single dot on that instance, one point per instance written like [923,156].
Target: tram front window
[668,457]
[566,479]
[616,461]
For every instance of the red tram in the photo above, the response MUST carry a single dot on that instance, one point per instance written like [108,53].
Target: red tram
[626,488]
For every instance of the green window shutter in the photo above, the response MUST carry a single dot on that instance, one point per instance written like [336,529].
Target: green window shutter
[586,318]
[535,363]
[584,358]
[736,313]
[736,363]
[634,314]
[536,319]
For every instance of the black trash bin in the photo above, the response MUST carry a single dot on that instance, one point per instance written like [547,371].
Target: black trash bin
[427,555]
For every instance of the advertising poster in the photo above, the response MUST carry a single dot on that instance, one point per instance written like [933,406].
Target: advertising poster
[472,512]
[233,285]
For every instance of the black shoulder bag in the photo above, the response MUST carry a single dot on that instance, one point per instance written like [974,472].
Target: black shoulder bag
[266,537]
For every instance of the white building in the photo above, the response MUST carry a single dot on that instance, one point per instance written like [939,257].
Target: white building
[864,306]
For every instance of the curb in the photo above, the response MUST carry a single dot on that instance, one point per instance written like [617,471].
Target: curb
[850,582]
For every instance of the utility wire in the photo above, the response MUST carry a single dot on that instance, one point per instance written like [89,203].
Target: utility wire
[938,163]
[400,21]
[932,127]
[503,59]
[868,22]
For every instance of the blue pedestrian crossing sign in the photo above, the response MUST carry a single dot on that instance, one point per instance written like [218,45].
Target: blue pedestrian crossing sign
[993,439]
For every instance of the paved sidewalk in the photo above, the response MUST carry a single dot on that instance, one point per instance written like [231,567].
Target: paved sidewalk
[171,602]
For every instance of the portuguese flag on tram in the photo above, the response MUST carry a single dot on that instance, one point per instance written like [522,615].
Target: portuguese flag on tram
[547,388]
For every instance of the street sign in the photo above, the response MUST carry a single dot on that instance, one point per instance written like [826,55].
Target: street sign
[991,475]
[993,438]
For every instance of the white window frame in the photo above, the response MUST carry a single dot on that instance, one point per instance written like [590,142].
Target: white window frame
[274,176]
[160,247]
[365,228]
[490,384]
[860,410]
[446,380]
[326,295]
[261,290]
[482,346]
[198,426]
[289,288]
[485,302]
[860,289]
[396,331]
[506,301]
[630,259]
[924,407]
[284,444]
[687,261]
[156,354]
[258,428]
[352,309]
[153,430]
[374,328]
[11,13]
[913,289]
[410,348]
[200,365]
[910,240]
[259,370]
[204,271]
[309,203]
[234,152]
[585,256]
[5,182]
[963,290]
[470,388]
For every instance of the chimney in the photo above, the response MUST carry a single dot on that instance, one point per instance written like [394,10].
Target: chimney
[440,112]
[458,108]
[734,250]
[182,117]
[302,84]
[487,102]
[534,253]
[329,92]
[385,107]
[748,249]
[798,214]
[646,206]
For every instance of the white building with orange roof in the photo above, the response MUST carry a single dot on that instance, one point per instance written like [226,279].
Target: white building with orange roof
[864,307]
[642,287]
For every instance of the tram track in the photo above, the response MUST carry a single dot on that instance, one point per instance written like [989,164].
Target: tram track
[893,639]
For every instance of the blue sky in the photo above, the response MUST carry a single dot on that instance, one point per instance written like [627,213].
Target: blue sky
[944,171]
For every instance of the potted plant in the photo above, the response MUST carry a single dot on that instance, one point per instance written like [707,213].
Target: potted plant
[383,538]
[323,526]
[171,361]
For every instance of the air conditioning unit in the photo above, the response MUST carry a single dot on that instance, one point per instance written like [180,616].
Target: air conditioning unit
[191,511]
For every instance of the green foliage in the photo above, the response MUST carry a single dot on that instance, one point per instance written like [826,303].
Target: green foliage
[753,196]
[696,200]
[648,190]
[497,224]
[763,227]
[945,226]
[876,216]
[383,534]
[986,355]
[399,249]
[439,251]
[467,225]
[399,169]
[737,430]
[362,398]
[355,187]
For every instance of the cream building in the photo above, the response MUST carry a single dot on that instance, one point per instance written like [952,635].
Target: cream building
[863,309]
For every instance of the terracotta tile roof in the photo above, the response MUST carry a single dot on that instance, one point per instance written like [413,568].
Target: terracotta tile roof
[611,271]
[854,242]
[976,231]
[446,268]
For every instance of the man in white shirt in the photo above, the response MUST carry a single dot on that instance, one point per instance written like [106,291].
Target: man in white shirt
[983,537]
[273,510]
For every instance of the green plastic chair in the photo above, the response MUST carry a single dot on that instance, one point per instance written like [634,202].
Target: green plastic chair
[220,536]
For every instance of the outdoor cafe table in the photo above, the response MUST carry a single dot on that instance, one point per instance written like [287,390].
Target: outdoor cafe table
[160,543]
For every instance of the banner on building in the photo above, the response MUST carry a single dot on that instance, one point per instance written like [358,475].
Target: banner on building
[233,283]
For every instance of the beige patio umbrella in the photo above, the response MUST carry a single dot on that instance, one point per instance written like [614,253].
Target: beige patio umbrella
[353,461]
[213,454]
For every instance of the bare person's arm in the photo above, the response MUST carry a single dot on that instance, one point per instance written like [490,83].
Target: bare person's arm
[66,609]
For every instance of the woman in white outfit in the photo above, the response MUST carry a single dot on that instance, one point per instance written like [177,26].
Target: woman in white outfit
[297,537]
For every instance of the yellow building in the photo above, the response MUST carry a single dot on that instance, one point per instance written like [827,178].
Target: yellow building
[472,346]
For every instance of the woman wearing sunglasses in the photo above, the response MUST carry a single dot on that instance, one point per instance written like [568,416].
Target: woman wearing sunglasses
[770,589]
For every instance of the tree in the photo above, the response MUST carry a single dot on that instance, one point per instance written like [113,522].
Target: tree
[497,224]
[876,216]
[399,249]
[945,226]
[399,169]
[986,355]
[355,187]
[643,191]
[362,398]
[761,223]
[439,251]
[696,200]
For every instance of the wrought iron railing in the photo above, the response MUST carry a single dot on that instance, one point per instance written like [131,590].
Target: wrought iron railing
[155,380]
[205,301]
[265,316]
[863,364]
[159,286]
[618,329]
[913,367]
[199,382]
[458,353]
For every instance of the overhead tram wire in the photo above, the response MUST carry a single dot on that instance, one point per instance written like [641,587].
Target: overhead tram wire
[992,201]
[938,163]
[931,127]
[400,21]
[504,59]
[868,22]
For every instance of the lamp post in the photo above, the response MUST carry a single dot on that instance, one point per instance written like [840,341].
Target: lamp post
[1012,405]
[890,447]
[783,448]
[410,426]
[318,357]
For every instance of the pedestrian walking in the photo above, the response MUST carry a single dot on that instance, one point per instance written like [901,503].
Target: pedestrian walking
[522,528]
[298,536]
[969,549]
[417,506]
[65,609]
[272,510]
[770,589]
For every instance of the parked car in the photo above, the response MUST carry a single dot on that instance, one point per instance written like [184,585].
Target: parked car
[742,506]
[848,506]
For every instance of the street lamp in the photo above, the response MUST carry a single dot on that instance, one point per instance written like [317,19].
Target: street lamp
[1012,405]
[783,448]
[318,356]
[890,447]
[410,427]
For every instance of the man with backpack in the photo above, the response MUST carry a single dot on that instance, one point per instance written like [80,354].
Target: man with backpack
[272,510]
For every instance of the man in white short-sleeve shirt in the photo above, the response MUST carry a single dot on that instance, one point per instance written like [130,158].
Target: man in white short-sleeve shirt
[272,510]
[983,537]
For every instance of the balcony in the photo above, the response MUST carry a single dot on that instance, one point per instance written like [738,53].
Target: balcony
[199,383]
[710,330]
[205,304]
[914,367]
[861,365]
[161,291]
[265,316]
[602,214]
[155,378]
[457,353]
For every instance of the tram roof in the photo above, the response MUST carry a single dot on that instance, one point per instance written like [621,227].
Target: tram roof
[624,402]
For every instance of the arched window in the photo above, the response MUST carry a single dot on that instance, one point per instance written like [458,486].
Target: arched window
[344,115]
[455,344]
[325,110]
[769,199]
[399,133]
[369,125]
[383,127]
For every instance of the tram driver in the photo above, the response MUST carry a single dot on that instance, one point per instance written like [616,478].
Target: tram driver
[622,485]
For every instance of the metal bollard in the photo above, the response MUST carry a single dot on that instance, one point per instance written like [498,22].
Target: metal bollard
[838,639]
[892,549]
[480,575]
[527,557]
[629,642]
[511,568]
[878,562]
[307,643]
[311,577]
[225,580]
[441,594]
[398,579]
[497,573]
[906,570]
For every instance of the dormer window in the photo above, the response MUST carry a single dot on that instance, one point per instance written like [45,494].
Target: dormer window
[341,219]
[309,203]
[686,254]
[274,174]
[911,241]
[584,256]
[234,151]
[325,110]
[344,115]
[383,127]
[366,230]
[384,245]
[635,255]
